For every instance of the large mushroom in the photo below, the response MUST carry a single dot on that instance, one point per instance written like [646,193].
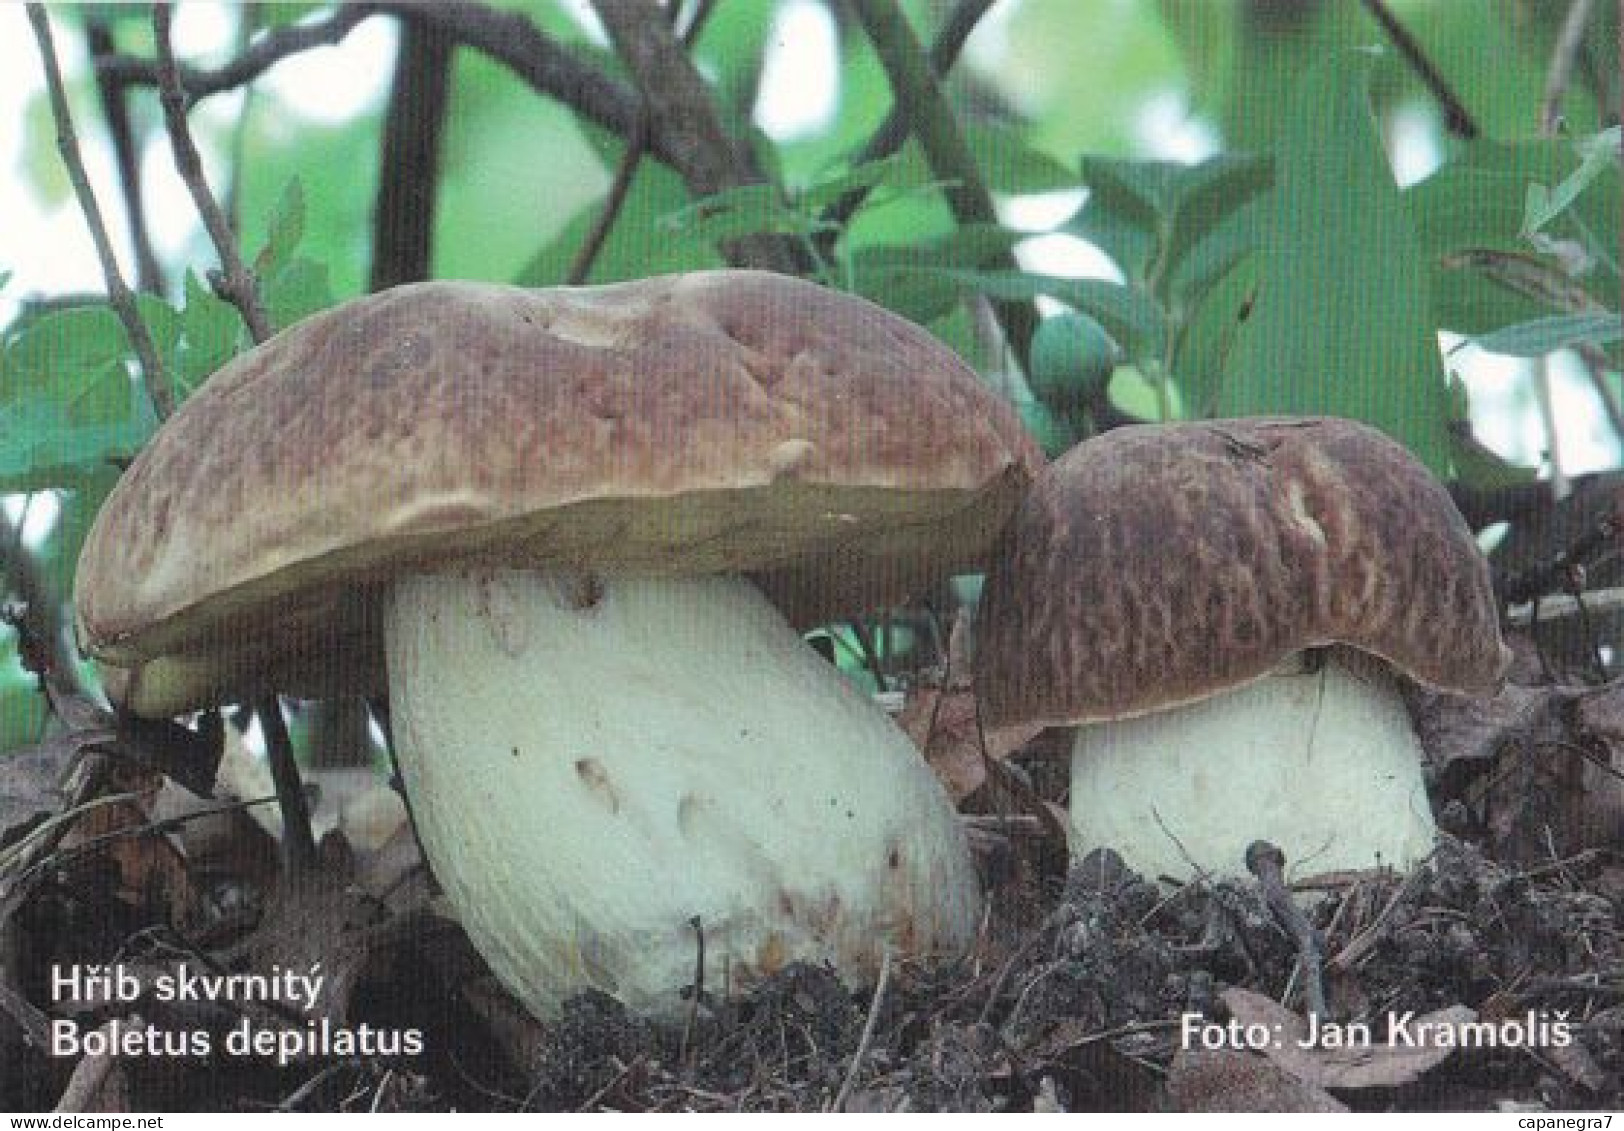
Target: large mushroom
[546,509]
[1222,611]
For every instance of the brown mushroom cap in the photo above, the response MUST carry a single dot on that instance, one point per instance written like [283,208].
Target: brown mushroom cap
[723,420]
[1159,565]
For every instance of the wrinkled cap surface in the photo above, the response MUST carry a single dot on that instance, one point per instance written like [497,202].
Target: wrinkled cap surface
[722,420]
[1158,565]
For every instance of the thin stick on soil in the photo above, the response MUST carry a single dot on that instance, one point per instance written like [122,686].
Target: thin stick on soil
[867,1038]
[699,987]
[1265,861]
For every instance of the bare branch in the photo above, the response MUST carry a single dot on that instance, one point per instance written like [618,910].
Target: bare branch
[118,292]
[236,282]
[944,52]
[684,118]
[126,155]
[272,48]
[631,159]
[1458,119]
[1569,42]
[508,38]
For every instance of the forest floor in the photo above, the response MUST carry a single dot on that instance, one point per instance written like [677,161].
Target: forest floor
[1489,978]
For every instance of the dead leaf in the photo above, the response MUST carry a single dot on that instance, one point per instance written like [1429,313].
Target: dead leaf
[942,724]
[1236,1080]
[30,786]
[1455,728]
[1379,1062]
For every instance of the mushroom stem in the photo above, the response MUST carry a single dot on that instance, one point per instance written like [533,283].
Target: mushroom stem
[1323,763]
[597,762]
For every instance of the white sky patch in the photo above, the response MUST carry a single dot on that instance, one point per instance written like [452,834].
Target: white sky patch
[1412,144]
[47,247]
[1505,415]
[37,513]
[1169,130]
[1038,212]
[800,88]
[336,84]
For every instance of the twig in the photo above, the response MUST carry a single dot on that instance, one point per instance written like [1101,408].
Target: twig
[118,293]
[1265,861]
[271,48]
[692,1019]
[916,91]
[867,1038]
[298,841]
[507,38]
[631,159]
[1561,606]
[684,117]
[944,52]
[1457,119]
[236,282]
[637,143]
[1563,56]
[126,155]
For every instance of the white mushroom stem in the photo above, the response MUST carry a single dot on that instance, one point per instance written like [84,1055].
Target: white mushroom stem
[1323,763]
[595,765]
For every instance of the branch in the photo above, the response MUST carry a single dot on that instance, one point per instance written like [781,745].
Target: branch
[119,295]
[944,52]
[235,282]
[272,48]
[1569,42]
[1457,119]
[409,167]
[684,118]
[917,93]
[631,158]
[126,155]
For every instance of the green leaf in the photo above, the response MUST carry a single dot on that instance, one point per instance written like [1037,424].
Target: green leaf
[42,448]
[1214,221]
[1131,318]
[1598,154]
[284,230]
[1011,164]
[1547,335]
[211,334]
[907,278]
[1209,333]
[1342,324]
[732,213]
[297,291]
[639,243]
[1484,273]
[59,350]
[1049,428]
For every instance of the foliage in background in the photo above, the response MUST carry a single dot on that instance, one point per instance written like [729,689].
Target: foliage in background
[1287,272]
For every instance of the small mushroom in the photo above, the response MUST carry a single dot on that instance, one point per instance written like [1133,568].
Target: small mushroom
[1166,590]
[549,511]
